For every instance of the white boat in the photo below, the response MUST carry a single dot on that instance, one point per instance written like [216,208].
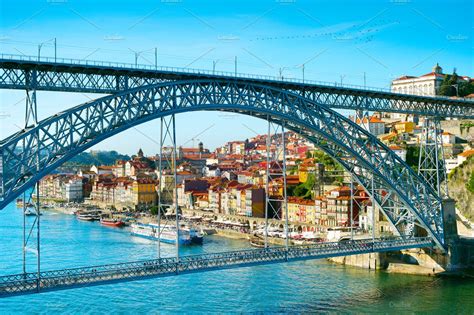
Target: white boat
[31,212]
[187,236]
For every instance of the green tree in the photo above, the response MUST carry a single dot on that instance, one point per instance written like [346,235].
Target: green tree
[470,183]
[300,191]
[154,210]
[465,88]
[413,156]
[446,88]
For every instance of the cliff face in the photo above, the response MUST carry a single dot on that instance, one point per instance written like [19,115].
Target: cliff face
[457,185]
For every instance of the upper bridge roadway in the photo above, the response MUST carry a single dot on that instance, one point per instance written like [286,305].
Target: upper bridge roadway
[70,75]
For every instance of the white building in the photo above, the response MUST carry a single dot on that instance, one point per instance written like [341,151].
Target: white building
[372,124]
[211,171]
[427,84]
[448,138]
[401,152]
[73,189]
[101,170]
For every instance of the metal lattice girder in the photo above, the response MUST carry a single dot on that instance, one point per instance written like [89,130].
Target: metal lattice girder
[74,77]
[276,206]
[64,135]
[431,161]
[93,275]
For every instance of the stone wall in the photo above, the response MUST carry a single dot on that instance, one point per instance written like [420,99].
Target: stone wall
[454,127]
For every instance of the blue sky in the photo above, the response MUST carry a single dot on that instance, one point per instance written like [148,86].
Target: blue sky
[336,40]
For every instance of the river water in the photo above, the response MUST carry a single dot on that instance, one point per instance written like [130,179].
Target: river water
[311,286]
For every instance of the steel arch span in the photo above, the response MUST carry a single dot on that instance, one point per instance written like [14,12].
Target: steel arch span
[404,197]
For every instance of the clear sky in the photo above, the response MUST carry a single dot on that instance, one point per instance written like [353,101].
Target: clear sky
[336,40]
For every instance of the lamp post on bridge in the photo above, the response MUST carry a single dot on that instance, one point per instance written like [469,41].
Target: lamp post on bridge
[40,45]
[137,55]
[456,86]
[214,63]
[280,71]
[342,76]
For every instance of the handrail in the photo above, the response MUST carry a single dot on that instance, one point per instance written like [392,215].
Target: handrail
[278,252]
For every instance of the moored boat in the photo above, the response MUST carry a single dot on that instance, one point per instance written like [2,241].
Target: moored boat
[29,212]
[112,222]
[187,235]
[256,241]
[87,217]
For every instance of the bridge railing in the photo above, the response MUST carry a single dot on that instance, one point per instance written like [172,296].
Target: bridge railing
[224,74]
[78,276]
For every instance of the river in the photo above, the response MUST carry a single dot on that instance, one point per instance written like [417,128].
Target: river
[310,286]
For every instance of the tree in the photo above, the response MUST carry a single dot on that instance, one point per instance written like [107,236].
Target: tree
[300,191]
[413,156]
[446,87]
[470,183]
[465,88]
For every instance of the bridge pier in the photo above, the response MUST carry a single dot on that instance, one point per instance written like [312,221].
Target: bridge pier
[275,206]
[458,258]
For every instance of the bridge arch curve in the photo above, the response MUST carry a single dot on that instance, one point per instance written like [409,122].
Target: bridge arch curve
[403,197]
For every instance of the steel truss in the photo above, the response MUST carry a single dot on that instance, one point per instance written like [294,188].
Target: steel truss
[431,164]
[398,189]
[276,206]
[94,275]
[109,80]
[29,228]
[168,194]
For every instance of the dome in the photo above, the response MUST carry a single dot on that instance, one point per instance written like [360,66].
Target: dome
[437,69]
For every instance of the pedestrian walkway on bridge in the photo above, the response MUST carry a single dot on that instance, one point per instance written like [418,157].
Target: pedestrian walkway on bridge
[78,277]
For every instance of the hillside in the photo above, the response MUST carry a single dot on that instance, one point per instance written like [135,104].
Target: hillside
[461,187]
[96,158]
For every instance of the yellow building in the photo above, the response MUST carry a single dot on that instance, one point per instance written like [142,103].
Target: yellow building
[144,192]
[293,210]
[306,167]
[405,127]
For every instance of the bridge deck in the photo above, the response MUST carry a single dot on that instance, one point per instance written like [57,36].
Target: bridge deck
[69,278]
[70,75]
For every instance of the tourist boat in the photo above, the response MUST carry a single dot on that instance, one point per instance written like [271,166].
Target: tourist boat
[187,235]
[112,222]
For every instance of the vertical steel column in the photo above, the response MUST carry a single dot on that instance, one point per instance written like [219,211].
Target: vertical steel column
[276,171]
[160,179]
[168,194]
[24,234]
[352,207]
[373,206]
[31,120]
[175,186]
[267,182]
[431,165]
[285,197]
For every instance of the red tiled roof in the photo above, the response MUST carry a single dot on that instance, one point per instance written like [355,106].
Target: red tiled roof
[405,77]
[372,119]
[439,75]
[467,153]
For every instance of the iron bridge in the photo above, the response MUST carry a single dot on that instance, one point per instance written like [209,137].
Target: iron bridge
[95,275]
[408,199]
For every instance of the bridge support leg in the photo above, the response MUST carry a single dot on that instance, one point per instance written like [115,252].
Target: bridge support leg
[431,164]
[31,120]
[168,194]
[276,205]
[352,207]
